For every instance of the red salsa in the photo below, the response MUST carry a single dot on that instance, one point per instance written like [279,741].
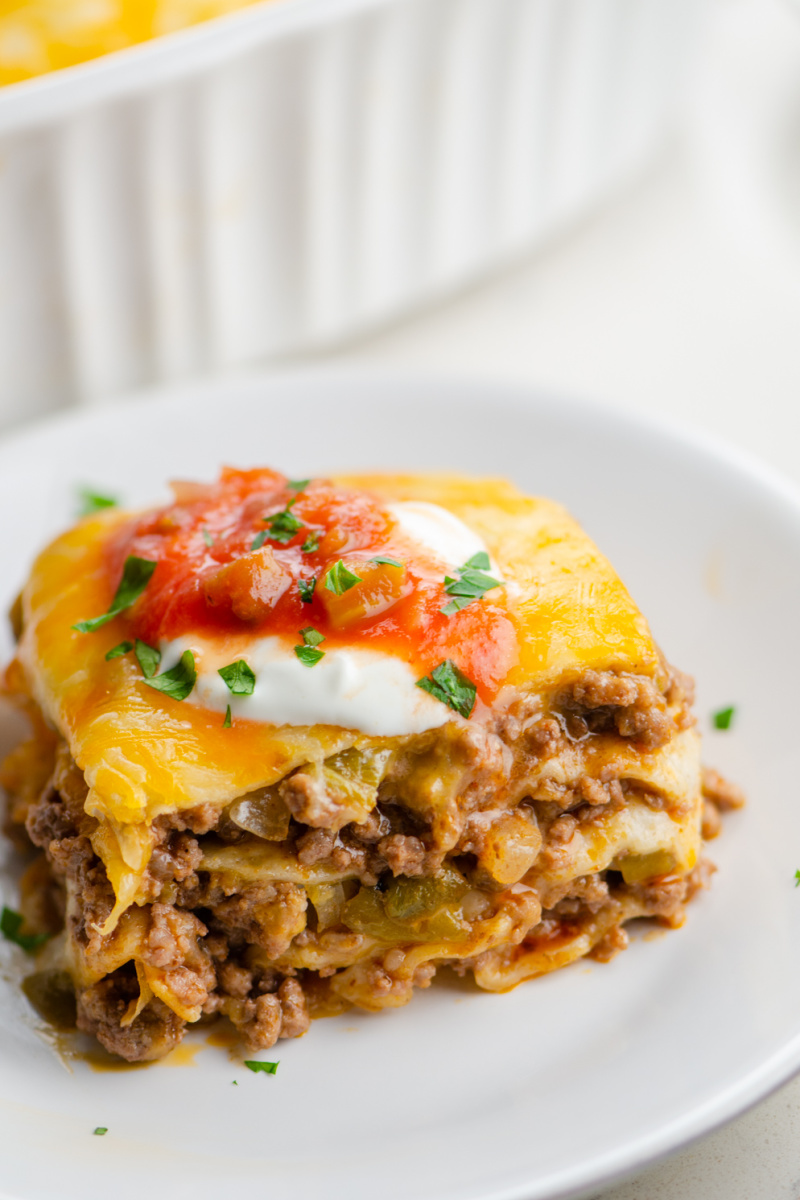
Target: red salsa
[260,554]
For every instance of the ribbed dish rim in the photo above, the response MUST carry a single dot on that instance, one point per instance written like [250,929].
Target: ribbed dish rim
[167,59]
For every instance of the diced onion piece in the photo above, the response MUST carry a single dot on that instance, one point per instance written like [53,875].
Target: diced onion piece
[263,813]
[636,868]
[329,901]
[510,848]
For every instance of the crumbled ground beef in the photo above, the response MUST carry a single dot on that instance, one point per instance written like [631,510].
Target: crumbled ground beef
[264,914]
[405,855]
[101,1008]
[609,946]
[305,795]
[633,706]
[177,856]
[262,1019]
[712,821]
[215,940]
[587,893]
[719,791]
[171,935]
[666,896]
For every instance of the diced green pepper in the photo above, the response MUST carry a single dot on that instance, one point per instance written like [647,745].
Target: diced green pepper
[410,899]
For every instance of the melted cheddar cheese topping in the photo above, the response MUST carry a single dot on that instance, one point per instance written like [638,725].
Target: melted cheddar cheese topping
[563,611]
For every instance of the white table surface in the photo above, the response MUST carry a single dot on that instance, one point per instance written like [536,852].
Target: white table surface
[681,298]
[675,300]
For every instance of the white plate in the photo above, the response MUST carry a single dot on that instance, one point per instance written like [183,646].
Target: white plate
[567,1081]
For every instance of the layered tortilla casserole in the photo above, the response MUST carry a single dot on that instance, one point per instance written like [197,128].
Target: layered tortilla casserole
[298,744]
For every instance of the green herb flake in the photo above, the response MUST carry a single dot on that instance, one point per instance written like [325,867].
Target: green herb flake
[258,540]
[311,544]
[100,1131]
[297,485]
[283,525]
[451,686]
[10,925]
[306,589]
[92,502]
[136,575]
[308,656]
[479,561]
[118,650]
[455,606]
[179,681]
[239,678]
[384,558]
[148,658]
[797,879]
[723,718]
[236,1083]
[311,636]
[207,538]
[265,1068]
[339,579]
[471,584]
[226,724]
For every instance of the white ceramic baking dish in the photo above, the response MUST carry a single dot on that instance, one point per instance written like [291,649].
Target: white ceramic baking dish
[294,174]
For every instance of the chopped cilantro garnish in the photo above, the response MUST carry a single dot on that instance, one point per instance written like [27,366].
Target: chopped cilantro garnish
[136,575]
[455,606]
[797,879]
[235,1082]
[101,1130]
[10,925]
[384,558]
[258,540]
[311,543]
[283,525]
[306,589]
[226,724]
[298,485]
[311,636]
[148,658]
[178,682]
[471,584]
[339,579]
[207,538]
[479,561]
[239,678]
[92,501]
[723,718]
[118,650]
[266,1068]
[451,686]
[308,656]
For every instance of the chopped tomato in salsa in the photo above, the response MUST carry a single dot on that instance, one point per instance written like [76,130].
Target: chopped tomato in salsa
[241,554]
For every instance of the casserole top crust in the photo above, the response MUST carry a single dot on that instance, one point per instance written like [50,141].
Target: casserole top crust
[561,612]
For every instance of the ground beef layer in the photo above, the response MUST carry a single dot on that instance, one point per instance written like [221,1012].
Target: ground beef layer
[361,912]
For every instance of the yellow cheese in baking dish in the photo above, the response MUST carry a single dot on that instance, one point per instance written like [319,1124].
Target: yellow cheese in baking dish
[37,36]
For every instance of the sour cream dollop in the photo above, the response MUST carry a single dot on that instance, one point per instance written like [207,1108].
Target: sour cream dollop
[368,690]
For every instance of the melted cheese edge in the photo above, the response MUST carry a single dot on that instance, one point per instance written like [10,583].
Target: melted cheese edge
[143,754]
